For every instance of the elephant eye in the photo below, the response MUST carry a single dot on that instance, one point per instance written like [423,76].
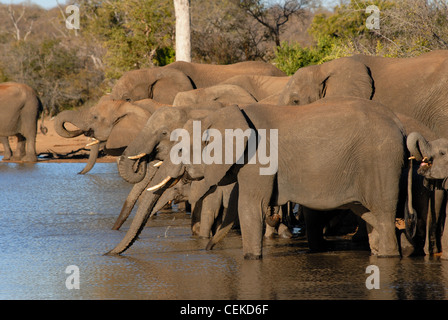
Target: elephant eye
[442,152]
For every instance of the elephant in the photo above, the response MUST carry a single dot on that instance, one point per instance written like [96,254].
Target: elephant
[226,94]
[113,124]
[19,112]
[263,88]
[345,140]
[434,169]
[140,173]
[163,83]
[417,87]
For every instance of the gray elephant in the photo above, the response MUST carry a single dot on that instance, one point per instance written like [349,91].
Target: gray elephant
[263,88]
[433,159]
[112,123]
[142,174]
[163,83]
[19,112]
[416,87]
[342,144]
[226,94]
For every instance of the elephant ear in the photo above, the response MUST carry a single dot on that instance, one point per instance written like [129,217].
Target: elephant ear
[418,146]
[130,120]
[227,121]
[346,77]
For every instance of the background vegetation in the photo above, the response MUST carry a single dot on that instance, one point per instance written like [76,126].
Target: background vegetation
[70,68]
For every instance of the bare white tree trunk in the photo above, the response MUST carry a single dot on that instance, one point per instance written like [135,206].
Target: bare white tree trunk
[183,46]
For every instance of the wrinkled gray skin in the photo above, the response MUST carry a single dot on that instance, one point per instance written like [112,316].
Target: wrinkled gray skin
[435,171]
[361,183]
[137,171]
[416,87]
[226,94]
[114,124]
[19,112]
[163,83]
[263,88]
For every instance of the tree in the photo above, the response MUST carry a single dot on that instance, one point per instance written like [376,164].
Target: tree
[275,16]
[183,33]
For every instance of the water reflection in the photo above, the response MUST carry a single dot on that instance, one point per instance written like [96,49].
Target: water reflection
[53,218]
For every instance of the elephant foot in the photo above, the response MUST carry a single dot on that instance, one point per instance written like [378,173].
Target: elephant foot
[251,256]
[283,232]
[407,249]
[444,255]
[29,158]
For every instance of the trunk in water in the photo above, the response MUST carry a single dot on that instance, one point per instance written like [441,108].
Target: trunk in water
[141,217]
[72,117]
[133,196]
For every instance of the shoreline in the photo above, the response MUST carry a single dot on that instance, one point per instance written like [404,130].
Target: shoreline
[57,148]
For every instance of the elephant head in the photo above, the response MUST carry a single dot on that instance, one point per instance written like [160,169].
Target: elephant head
[433,154]
[158,83]
[153,142]
[203,176]
[340,77]
[112,123]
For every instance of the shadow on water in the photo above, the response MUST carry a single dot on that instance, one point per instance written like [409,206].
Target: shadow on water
[53,218]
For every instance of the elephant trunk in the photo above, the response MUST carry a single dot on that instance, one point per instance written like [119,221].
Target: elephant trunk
[72,117]
[133,196]
[132,170]
[417,145]
[93,155]
[141,217]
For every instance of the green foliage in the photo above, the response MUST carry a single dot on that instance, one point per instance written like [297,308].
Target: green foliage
[137,34]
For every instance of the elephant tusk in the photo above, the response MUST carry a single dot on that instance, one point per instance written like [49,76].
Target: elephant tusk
[158,164]
[160,185]
[94,142]
[411,158]
[141,155]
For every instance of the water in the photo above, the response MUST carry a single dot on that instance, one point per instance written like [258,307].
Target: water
[52,218]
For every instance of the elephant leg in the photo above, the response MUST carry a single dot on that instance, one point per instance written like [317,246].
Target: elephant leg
[434,209]
[211,206]
[30,146]
[7,154]
[20,151]
[196,217]
[229,218]
[315,222]
[445,236]
[251,224]
[385,226]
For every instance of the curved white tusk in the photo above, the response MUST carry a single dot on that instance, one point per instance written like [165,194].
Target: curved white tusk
[141,155]
[94,142]
[158,164]
[160,185]
[174,182]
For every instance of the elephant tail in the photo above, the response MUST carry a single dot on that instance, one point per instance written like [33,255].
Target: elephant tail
[410,215]
[41,110]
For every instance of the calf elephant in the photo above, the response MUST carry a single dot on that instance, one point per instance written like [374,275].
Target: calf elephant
[163,83]
[433,156]
[19,112]
[417,87]
[342,145]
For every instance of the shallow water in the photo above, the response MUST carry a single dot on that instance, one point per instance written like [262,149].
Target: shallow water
[52,218]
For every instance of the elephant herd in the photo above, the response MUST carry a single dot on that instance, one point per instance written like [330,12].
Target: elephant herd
[360,134]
